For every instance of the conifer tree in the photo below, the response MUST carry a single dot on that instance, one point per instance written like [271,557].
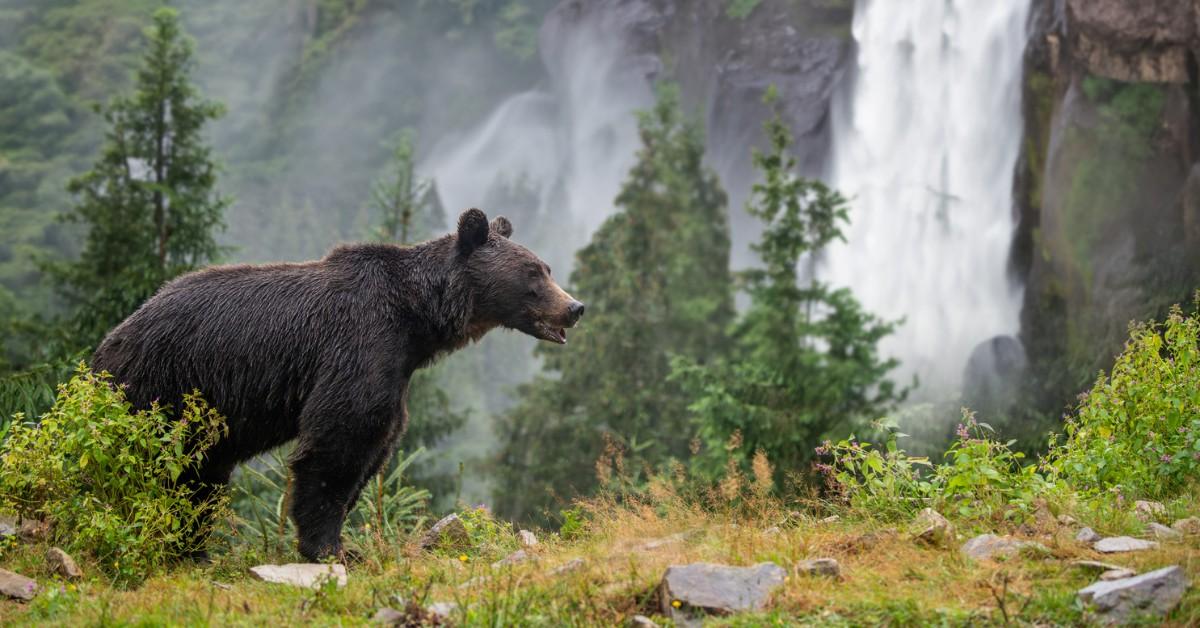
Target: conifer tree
[805,361]
[656,280]
[408,206]
[149,203]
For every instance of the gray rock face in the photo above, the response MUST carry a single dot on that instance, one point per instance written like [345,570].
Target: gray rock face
[1154,594]
[307,575]
[62,564]
[819,567]
[1146,40]
[932,528]
[1116,544]
[16,586]
[526,538]
[989,546]
[1087,535]
[448,533]
[718,589]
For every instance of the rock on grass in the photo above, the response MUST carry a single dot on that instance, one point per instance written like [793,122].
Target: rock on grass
[62,564]
[1117,544]
[1153,594]
[988,546]
[448,534]
[307,575]
[932,528]
[16,586]
[718,589]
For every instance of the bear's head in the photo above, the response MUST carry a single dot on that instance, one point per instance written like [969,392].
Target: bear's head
[513,287]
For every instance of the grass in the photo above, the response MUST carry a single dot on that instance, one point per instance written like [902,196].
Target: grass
[887,579]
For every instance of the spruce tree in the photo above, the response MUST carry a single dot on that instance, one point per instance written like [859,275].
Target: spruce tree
[805,362]
[656,280]
[149,203]
[408,206]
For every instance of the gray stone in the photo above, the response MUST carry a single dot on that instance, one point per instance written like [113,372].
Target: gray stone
[1095,565]
[641,621]
[830,519]
[389,617]
[1117,574]
[62,564]
[449,533]
[442,610]
[518,556]
[16,586]
[1067,520]
[526,538]
[567,567]
[1189,526]
[1148,510]
[307,575]
[8,527]
[1116,544]
[988,546]
[1087,535]
[932,528]
[819,567]
[33,531]
[1154,594]
[718,589]
[1163,533]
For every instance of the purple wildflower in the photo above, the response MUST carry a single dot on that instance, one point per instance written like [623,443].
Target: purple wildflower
[962,432]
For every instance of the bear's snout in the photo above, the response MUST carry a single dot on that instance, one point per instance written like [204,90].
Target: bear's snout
[574,312]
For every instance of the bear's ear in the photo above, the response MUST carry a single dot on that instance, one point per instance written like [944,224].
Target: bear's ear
[502,226]
[472,230]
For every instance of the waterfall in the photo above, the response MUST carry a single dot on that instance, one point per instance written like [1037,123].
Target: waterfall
[925,140]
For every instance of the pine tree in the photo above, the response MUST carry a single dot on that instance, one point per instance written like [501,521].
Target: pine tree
[805,361]
[149,203]
[408,206]
[656,280]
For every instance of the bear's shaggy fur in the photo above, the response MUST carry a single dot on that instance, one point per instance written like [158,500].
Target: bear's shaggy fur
[321,352]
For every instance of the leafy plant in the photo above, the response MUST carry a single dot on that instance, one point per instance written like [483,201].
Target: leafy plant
[1138,430]
[982,477]
[109,479]
[887,483]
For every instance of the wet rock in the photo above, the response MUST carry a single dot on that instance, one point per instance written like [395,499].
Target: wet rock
[1189,526]
[1087,535]
[307,575]
[1144,41]
[62,564]
[518,556]
[819,567]
[526,538]
[16,586]
[447,534]
[1148,511]
[1116,544]
[1154,593]
[1163,533]
[718,589]
[932,528]
[989,546]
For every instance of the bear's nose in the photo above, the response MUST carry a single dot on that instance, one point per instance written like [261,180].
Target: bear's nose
[575,311]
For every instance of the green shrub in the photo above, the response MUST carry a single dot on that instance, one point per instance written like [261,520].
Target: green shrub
[1138,430]
[981,477]
[886,482]
[108,478]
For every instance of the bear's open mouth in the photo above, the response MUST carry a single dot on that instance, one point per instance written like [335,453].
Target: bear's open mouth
[552,333]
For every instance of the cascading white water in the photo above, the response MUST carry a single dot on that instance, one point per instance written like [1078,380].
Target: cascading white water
[924,144]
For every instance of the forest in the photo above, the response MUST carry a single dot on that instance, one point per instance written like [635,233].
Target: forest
[799,352]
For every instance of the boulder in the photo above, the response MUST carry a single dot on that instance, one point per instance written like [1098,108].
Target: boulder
[1151,594]
[932,528]
[1163,533]
[1148,510]
[526,538]
[989,546]
[1116,544]
[1096,565]
[62,564]
[1189,526]
[518,556]
[16,586]
[307,575]
[448,534]
[718,589]
[819,567]
[641,621]
[1067,520]
[1087,535]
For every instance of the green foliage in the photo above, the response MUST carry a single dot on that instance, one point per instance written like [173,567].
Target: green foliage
[741,9]
[656,280]
[885,482]
[982,477]
[109,479]
[408,207]
[1138,429]
[149,203]
[805,362]
[517,31]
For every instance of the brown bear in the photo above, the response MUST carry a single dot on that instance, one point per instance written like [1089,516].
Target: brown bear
[322,352]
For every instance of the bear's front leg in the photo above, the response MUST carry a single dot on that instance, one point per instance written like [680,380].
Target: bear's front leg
[326,478]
